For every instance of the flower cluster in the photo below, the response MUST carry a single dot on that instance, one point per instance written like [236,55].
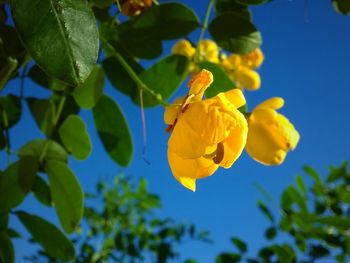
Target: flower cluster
[209,133]
[240,68]
[134,7]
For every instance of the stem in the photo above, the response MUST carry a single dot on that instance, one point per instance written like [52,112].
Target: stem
[132,73]
[59,110]
[205,24]
[22,77]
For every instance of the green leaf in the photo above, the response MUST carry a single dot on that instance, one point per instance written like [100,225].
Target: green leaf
[120,78]
[222,6]
[43,112]
[48,236]
[336,173]
[4,217]
[339,222]
[67,27]
[284,253]
[164,77]
[10,111]
[301,184]
[318,251]
[295,197]
[270,233]
[75,137]
[228,258]
[37,75]
[252,2]
[7,253]
[221,81]
[35,148]
[87,94]
[67,194]
[235,33]
[113,130]
[16,182]
[265,210]
[242,247]
[165,21]
[341,6]
[41,191]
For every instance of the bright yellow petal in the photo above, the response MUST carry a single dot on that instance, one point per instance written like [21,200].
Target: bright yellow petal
[171,112]
[186,171]
[199,83]
[253,59]
[208,50]
[184,48]
[247,78]
[272,103]
[232,62]
[236,97]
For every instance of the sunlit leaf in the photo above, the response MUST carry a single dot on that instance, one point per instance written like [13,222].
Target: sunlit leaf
[16,181]
[75,138]
[221,81]
[61,36]
[36,148]
[87,94]
[235,33]
[164,78]
[48,236]
[113,130]
[41,191]
[67,194]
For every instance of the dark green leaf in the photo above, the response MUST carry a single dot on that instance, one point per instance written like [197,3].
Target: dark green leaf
[35,148]
[222,6]
[240,245]
[318,251]
[164,78]
[75,138]
[113,130]
[4,216]
[87,94]
[41,191]
[10,111]
[61,36]
[270,233]
[265,210]
[310,171]
[12,233]
[7,253]
[252,2]
[48,236]
[165,21]
[221,81]
[341,6]
[67,194]
[37,75]
[7,70]
[235,33]
[228,258]
[338,222]
[43,113]
[16,182]
[284,253]
[120,78]
[102,3]
[337,172]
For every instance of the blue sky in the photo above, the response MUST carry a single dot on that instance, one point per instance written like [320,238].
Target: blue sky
[307,63]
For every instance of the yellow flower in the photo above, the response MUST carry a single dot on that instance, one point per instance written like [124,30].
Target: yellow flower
[206,133]
[184,47]
[134,7]
[208,50]
[270,135]
[247,78]
[231,63]
[253,59]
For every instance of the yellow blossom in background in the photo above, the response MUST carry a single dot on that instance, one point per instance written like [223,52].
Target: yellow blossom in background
[206,133]
[270,135]
[184,47]
[208,50]
[231,63]
[247,78]
[134,7]
[253,59]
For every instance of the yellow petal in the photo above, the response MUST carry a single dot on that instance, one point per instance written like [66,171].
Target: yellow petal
[184,48]
[186,171]
[272,103]
[236,97]
[253,59]
[247,78]
[232,62]
[199,83]
[171,112]
[208,50]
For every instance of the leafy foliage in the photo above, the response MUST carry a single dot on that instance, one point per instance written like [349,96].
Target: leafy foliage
[125,223]
[316,219]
